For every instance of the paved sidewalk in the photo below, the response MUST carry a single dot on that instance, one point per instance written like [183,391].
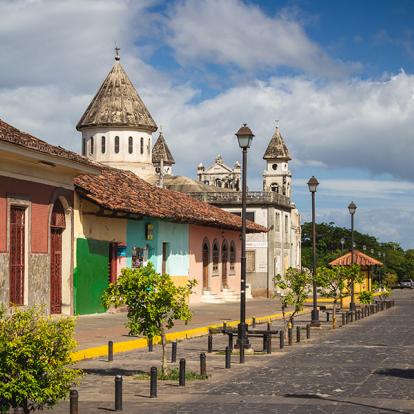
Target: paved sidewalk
[96,330]
[366,367]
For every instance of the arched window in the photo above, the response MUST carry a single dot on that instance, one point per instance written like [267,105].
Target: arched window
[83,146]
[116,144]
[149,146]
[91,147]
[224,260]
[103,145]
[274,167]
[206,262]
[274,188]
[218,182]
[130,145]
[232,256]
[216,255]
[142,145]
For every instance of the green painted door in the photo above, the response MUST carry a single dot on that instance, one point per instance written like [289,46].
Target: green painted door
[90,275]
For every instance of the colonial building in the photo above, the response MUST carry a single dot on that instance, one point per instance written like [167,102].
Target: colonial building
[36,221]
[271,253]
[220,175]
[122,221]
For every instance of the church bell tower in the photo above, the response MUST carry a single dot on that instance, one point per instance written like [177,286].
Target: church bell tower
[277,176]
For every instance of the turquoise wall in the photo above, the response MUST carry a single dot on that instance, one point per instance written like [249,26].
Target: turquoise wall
[177,235]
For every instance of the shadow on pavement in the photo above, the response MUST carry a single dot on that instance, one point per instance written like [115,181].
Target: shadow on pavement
[397,372]
[109,372]
[321,397]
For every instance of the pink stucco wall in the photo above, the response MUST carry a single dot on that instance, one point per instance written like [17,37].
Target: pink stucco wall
[196,238]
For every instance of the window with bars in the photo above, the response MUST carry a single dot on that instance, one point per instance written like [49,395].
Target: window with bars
[103,145]
[216,255]
[130,145]
[142,145]
[91,146]
[286,224]
[83,146]
[250,261]
[116,144]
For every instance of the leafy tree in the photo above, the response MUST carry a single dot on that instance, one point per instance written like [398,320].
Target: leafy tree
[296,286]
[328,247]
[35,359]
[154,303]
[335,282]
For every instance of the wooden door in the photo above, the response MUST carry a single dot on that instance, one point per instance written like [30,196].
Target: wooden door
[57,226]
[113,267]
[55,270]
[224,260]
[17,255]
[205,266]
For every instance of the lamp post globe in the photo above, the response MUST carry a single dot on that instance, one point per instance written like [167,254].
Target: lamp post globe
[244,136]
[352,209]
[313,185]
[342,245]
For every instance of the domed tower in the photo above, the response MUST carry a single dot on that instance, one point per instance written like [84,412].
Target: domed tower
[162,158]
[277,176]
[117,127]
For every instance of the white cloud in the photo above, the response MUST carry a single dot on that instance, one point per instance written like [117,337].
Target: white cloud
[237,33]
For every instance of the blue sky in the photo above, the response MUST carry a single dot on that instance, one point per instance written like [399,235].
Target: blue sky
[339,75]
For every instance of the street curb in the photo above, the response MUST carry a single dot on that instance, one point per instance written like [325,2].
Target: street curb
[125,346]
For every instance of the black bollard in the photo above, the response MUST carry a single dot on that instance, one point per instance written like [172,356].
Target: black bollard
[264,342]
[327,316]
[254,322]
[118,393]
[174,351]
[110,351]
[210,344]
[153,382]
[228,357]
[290,339]
[282,339]
[230,335]
[181,379]
[269,343]
[150,345]
[203,365]
[269,326]
[308,330]
[343,319]
[352,317]
[73,402]
[298,334]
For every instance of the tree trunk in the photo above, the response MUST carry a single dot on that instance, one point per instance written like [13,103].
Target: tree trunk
[334,315]
[164,364]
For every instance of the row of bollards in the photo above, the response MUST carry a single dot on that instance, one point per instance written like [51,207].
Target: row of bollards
[347,317]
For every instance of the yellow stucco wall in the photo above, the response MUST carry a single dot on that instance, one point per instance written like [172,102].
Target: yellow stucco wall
[89,226]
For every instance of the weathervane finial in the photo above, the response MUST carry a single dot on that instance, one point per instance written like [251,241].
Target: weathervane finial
[117,49]
[277,123]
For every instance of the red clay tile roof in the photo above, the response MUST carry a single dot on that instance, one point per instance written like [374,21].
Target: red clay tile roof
[123,191]
[359,258]
[14,136]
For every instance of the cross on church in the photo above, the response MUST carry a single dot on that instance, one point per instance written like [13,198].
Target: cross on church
[117,49]
[277,123]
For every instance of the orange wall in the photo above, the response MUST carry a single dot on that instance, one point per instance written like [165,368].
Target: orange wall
[197,236]
[41,196]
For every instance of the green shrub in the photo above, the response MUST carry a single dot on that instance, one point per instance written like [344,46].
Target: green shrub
[366,297]
[35,359]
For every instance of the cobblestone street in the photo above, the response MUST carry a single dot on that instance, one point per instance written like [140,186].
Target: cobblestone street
[364,367]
